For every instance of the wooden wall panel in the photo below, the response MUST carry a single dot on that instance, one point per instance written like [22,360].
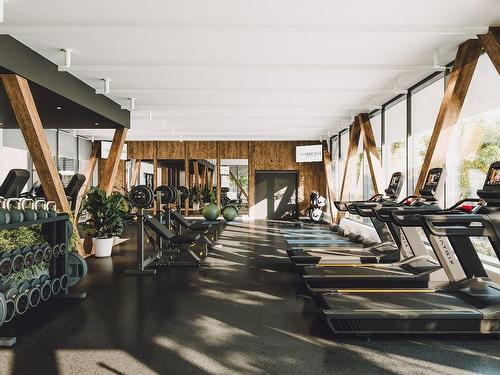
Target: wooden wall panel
[171,150]
[141,149]
[280,156]
[201,149]
[233,149]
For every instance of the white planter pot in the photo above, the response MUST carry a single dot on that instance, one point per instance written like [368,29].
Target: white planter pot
[103,246]
[196,206]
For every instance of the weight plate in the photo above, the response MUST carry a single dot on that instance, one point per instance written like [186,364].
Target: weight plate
[175,194]
[184,192]
[64,282]
[321,201]
[164,192]
[77,269]
[141,196]
[18,263]
[62,248]
[29,259]
[171,196]
[47,253]
[3,309]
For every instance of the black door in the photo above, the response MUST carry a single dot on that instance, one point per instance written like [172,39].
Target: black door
[276,195]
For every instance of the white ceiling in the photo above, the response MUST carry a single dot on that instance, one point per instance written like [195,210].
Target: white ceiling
[247,69]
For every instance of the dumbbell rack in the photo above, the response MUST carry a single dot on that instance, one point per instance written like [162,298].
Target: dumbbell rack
[56,230]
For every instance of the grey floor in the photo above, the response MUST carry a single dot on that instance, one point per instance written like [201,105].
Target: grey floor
[244,315]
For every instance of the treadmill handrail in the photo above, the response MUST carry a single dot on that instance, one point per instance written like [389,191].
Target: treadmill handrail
[412,216]
[459,225]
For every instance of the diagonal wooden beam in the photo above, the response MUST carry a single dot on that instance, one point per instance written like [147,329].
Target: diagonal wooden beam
[28,119]
[89,170]
[238,185]
[491,44]
[451,105]
[136,170]
[330,191]
[354,134]
[111,166]
[371,151]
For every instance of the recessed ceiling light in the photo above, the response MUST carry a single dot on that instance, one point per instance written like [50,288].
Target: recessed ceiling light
[58,108]
[96,123]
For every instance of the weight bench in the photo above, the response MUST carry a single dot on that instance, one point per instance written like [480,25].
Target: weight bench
[14,183]
[197,226]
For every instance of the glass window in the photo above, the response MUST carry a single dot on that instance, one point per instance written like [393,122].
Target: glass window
[376,122]
[67,156]
[425,105]
[476,141]
[334,153]
[344,145]
[395,140]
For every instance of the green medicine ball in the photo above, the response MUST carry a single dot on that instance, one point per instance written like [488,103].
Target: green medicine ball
[229,213]
[210,212]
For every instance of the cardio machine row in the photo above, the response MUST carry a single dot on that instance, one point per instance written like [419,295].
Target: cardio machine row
[424,277]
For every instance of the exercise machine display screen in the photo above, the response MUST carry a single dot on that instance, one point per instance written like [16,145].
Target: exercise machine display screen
[494,177]
[395,180]
[433,179]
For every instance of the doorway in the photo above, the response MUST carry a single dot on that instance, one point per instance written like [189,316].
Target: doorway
[276,195]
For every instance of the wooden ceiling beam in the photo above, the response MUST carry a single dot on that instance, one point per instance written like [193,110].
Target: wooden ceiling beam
[451,105]
[108,176]
[491,44]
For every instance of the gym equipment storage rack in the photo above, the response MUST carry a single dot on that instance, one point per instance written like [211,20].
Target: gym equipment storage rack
[56,232]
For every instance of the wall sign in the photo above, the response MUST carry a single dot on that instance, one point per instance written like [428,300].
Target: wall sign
[224,170]
[106,146]
[308,154]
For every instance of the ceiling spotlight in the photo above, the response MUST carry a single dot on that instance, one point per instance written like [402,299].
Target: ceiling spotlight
[397,90]
[58,108]
[96,123]
[67,57]
[150,116]
[373,107]
[132,104]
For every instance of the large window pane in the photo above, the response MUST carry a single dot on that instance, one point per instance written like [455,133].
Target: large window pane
[395,140]
[424,110]
[376,122]
[476,143]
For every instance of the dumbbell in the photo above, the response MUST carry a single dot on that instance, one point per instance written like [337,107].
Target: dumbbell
[55,286]
[38,251]
[45,287]
[20,298]
[47,253]
[29,257]
[34,293]
[5,264]
[51,209]
[10,309]
[17,257]
[64,282]
[56,250]
[62,248]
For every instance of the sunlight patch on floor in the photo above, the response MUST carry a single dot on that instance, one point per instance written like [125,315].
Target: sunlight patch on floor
[215,332]
[100,361]
[262,295]
[6,362]
[230,297]
[194,357]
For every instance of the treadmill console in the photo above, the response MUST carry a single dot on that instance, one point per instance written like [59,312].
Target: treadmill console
[395,185]
[433,189]
[491,189]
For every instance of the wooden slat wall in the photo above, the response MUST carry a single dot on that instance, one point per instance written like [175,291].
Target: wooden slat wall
[233,149]
[261,155]
[201,149]
[170,150]
[280,156]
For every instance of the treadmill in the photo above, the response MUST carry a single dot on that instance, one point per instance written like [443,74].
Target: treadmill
[386,251]
[423,269]
[467,306]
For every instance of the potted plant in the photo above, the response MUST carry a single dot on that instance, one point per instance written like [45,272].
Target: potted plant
[196,198]
[106,219]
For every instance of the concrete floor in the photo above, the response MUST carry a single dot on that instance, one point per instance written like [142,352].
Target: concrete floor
[244,315]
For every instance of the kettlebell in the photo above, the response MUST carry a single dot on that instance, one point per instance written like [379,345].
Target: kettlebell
[16,215]
[51,208]
[27,208]
[41,209]
[4,213]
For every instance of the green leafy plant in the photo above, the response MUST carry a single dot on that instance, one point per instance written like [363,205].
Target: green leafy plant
[20,237]
[206,195]
[106,213]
